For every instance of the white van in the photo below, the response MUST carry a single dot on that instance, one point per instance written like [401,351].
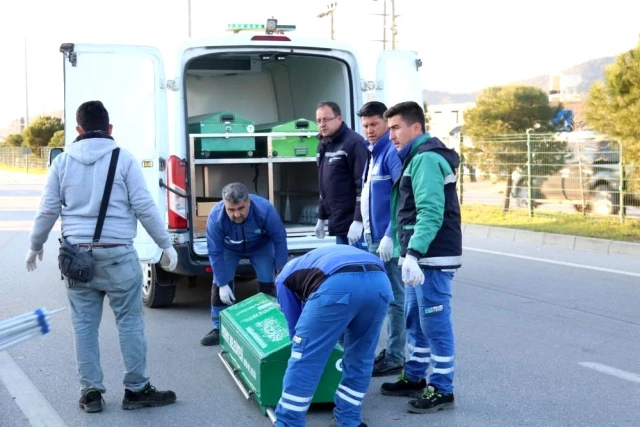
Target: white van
[269,78]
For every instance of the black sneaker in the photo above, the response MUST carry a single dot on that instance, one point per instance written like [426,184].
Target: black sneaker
[212,338]
[148,397]
[404,387]
[431,401]
[334,424]
[383,366]
[91,401]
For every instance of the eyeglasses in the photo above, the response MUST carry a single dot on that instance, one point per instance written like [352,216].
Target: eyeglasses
[320,121]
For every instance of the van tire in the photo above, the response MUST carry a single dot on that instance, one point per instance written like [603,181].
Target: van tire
[158,286]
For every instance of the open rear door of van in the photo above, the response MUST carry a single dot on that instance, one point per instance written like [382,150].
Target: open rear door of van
[129,80]
[398,77]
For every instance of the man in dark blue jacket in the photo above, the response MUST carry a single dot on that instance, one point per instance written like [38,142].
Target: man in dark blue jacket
[341,159]
[325,294]
[380,172]
[242,226]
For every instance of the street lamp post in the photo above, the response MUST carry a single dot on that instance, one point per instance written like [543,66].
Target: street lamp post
[331,8]
[189,18]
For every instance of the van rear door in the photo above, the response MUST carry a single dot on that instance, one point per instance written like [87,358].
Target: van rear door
[398,77]
[129,80]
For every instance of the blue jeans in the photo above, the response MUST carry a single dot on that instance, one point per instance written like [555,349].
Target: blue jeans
[353,304]
[342,240]
[396,330]
[118,276]
[263,261]
[430,331]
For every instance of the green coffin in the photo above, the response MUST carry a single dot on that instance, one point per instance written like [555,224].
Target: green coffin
[293,146]
[222,122]
[254,340]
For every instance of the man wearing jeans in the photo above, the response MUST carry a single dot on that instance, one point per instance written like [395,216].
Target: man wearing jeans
[242,226]
[380,172]
[426,226]
[74,191]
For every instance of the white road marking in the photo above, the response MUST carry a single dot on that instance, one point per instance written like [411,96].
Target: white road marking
[550,261]
[615,372]
[33,404]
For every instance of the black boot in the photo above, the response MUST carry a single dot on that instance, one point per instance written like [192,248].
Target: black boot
[91,401]
[212,338]
[431,401]
[147,397]
[404,387]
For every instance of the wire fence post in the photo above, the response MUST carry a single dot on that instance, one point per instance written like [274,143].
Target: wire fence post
[529,177]
[461,172]
[621,181]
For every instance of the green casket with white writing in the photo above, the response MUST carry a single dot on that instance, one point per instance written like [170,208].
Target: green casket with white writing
[255,348]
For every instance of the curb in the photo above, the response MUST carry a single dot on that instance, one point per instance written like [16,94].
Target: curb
[584,244]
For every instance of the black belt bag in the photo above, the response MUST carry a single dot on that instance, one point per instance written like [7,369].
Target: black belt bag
[78,264]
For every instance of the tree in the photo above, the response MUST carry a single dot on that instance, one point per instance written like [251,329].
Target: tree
[498,125]
[40,131]
[613,106]
[14,140]
[57,140]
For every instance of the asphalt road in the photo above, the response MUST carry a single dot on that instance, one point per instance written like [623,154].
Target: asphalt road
[545,337]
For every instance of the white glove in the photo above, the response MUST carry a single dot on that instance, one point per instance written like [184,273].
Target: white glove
[226,294]
[412,274]
[30,260]
[385,249]
[355,232]
[172,255]
[320,229]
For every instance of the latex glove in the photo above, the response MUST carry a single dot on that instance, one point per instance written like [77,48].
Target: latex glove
[412,274]
[385,249]
[30,260]
[172,255]
[226,294]
[355,232]
[320,229]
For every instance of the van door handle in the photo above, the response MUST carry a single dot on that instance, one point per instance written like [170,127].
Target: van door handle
[176,192]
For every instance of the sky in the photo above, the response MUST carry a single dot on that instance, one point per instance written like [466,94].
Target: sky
[464,45]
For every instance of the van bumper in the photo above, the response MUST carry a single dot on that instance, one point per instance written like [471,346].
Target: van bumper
[190,264]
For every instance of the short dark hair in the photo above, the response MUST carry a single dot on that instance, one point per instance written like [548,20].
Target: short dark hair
[410,112]
[92,116]
[373,108]
[334,107]
[235,193]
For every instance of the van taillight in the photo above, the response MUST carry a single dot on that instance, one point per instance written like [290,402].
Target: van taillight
[177,179]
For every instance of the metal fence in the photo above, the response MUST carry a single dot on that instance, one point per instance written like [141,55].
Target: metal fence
[574,171]
[24,158]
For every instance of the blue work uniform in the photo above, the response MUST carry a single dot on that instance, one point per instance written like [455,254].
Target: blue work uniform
[261,238]
[324,294]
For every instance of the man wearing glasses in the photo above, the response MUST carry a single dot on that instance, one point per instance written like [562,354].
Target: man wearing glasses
[242,226]
[341,159]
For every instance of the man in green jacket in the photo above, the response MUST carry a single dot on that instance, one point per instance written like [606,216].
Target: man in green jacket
[428,239]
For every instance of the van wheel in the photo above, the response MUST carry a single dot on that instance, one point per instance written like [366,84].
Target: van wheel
[158,286]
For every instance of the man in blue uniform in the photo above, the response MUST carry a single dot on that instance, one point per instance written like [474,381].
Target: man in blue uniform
[324,294]
[242,226]
[381,171]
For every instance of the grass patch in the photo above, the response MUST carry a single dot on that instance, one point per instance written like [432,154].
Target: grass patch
[35,171]
[554,222]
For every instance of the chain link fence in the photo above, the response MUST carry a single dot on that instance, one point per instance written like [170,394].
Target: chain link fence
[24,158]
[579,172]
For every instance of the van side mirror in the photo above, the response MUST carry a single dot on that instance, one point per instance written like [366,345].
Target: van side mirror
[53,153]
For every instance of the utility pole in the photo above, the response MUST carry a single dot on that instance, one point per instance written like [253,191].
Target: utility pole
[189,18]
[26,85]
[392,29]
[331,8]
